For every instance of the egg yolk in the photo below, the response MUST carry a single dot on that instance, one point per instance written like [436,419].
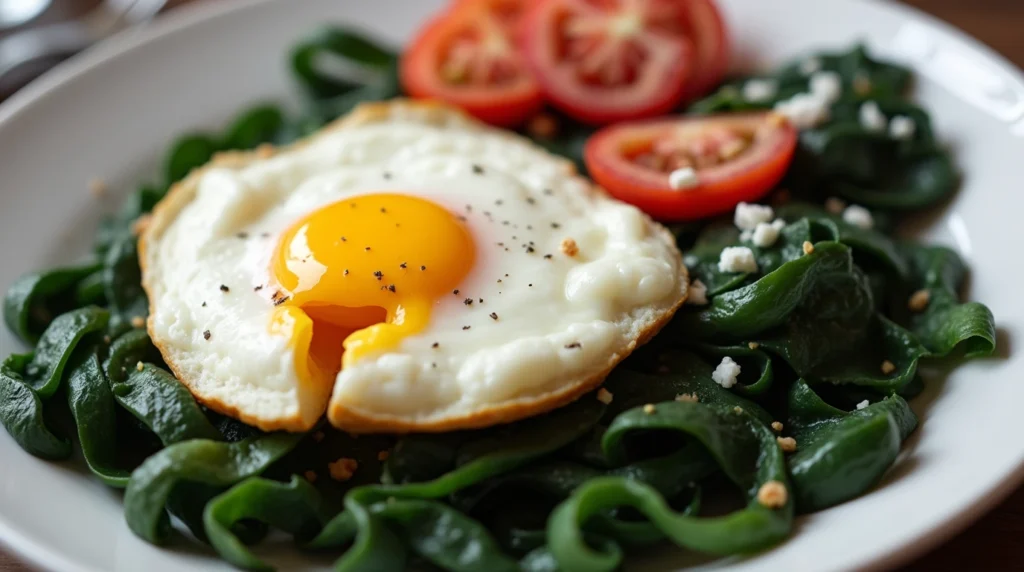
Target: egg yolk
[363,273]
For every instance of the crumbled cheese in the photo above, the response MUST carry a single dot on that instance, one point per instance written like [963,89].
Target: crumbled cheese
[863,404]
[747,215]
[776,426]
[810,65]
[888,367]
[902,127]
[859,216]
[804,110]
[872,118]
[687,398]
[835,205]
[808,247]
[682,179]
[765,235]
[727,373]
[760,90]
[919,300]
[772,495]
[787,444]
[746,236]
[343,468]
[737,259]
[778,224]
[827,85]
[697,293]
[604,396]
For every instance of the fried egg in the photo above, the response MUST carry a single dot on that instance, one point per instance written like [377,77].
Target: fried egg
[405,269]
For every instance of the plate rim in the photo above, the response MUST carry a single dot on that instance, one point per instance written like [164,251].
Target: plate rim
[970,509]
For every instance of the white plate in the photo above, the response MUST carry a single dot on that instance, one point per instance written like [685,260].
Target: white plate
[110,113]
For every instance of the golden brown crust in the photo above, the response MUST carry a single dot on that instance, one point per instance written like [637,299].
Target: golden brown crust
[345,418]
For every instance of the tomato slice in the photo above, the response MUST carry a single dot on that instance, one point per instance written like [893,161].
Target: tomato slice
[706,29]
[734,157]
[602,61]
[467,57]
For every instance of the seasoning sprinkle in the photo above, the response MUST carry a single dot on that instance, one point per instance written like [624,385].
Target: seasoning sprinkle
[423,267]
[888,367]
[383,210]
[604,396]
[379,275]
[555,225]
[265,234]
[494,316]
[548,257]
[343,468]
[465,327]
[206,335]
[343,239]
[456,292]
[808,247]
[280,301]
[477,169]
[367,249]
[204,304]
[531,200]
[573,346]
[919,300]
[787,444]
[224,288]
[138,321]
[569,247]
[391,288]
[772,495]
[468,301]
[257,288]
[242,235]
[403,265]
[435,345]
[346,272]
[649,408]
[481,300]
[548,192]
[387,174]
[139,366]
[777,426]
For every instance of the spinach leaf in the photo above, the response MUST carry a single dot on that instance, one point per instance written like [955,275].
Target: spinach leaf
[21,412]
[122,283]
[350,47]
[34,300]
[260,124]
[56,345]
[199,461]
[188,153]
[95,412]
[945,323]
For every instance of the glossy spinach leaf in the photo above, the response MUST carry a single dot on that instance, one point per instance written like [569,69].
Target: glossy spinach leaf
[122,283]
[56,345]
[842,454]
[34,300]
[260,124]
[21,412]
[188,153]
[163,405]
[200,461]
[946,323]
[344,48]
[95,413]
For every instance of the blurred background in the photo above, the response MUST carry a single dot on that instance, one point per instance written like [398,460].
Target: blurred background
[37,34]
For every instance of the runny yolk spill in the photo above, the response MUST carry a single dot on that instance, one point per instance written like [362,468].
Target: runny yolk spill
[363,273]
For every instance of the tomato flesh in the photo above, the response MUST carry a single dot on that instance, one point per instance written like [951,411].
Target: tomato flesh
[734,157]
[602,61]
[467,57]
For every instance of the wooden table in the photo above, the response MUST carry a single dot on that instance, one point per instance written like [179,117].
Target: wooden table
[995,541]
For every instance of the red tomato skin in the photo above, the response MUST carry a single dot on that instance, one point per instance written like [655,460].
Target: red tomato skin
[712,59]
[592,108]
[419,74]
[711,197]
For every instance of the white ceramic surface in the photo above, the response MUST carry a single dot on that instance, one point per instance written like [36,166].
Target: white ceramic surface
[111,112]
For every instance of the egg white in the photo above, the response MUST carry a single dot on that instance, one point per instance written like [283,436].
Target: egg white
[546,330]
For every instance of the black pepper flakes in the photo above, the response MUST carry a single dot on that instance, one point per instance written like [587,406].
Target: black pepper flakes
[499,202]
[206,335]
[529,227]
[531,200]
[204,304]
[530,285]
[391,288]
[383,210]
[481,300]
[423,267]
[265,234]
[494,315]
[555,225]
[280,301]
[465,327]
[548,257]
[378,275]
[367,249]
[257,288]
[529,250]
[343,239]
[387,174]
[548,192]
[477,169]
[469,208]
[456,292]
[224,288]
[243,235]
[468,301]
[573,346]
[435,345]
[433,365]
[346,272]
[403,265]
